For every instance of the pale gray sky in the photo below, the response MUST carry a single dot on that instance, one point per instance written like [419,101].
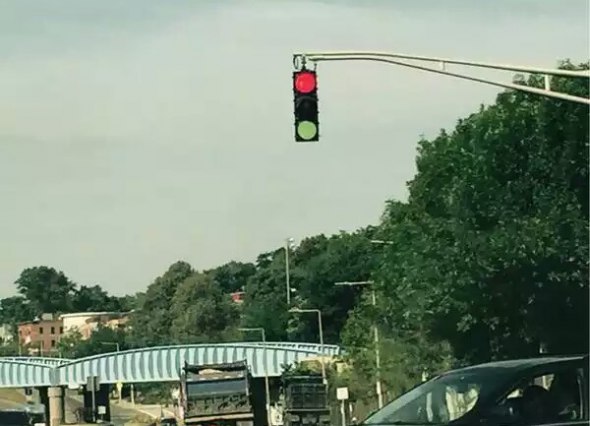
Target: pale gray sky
[135,133]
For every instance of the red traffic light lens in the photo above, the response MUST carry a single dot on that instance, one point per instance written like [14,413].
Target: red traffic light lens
[305,82]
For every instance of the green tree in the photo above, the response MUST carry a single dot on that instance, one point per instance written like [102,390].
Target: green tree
[320,262]
[13,310]
[494,237]
[47,290]
[127,303]
[102,340]
[233,276]
[94,299]
[204,313]
[265,302]
[151,322]
[9,349]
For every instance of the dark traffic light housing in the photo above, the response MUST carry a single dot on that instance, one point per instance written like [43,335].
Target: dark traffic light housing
[305,90]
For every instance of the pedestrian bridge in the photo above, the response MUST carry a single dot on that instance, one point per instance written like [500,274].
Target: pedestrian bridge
[155,364]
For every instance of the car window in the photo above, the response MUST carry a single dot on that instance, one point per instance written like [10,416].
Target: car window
[547,398]
[441,400]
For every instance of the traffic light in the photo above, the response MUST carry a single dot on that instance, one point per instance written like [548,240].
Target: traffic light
[305,90]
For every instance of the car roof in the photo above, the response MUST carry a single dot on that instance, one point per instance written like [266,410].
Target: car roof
[516,365]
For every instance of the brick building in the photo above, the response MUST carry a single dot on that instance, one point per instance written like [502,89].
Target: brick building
[41,335]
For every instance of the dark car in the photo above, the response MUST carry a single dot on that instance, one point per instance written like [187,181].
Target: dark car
[537,391]
[19,418]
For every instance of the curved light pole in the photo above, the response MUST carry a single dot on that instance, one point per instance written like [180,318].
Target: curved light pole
[266,383]
[321,331]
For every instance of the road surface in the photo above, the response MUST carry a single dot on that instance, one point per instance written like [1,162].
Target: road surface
[119,415]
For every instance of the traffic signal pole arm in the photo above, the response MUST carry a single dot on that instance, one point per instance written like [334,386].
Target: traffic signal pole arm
[300,59]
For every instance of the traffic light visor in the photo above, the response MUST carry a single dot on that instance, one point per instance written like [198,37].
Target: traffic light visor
[307,130]
[305,82]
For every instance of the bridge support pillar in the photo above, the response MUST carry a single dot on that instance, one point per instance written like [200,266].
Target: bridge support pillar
[56,406]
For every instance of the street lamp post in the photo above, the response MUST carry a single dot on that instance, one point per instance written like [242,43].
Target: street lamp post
[288,244]
[266,381]
[375,337]
[321,332]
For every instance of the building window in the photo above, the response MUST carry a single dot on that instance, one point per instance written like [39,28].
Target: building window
[52,330]
[53,343]
[61,330]
[40,330]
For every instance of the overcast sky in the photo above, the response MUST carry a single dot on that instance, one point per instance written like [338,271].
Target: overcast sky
[136,133]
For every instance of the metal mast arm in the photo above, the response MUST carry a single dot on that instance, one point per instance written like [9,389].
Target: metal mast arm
[393,58]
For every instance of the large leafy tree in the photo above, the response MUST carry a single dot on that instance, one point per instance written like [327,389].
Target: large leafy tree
[152,320]
[93,299]
[46,289]
[232,276]
[493,242]
[203,312]
[319,263]
[265,303]
[315,266]
[13,310]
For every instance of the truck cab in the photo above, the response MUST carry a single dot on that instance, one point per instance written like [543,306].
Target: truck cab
[218,394]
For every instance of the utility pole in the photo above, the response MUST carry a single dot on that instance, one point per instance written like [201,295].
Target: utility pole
[378,389]
[300,60]
[288,244]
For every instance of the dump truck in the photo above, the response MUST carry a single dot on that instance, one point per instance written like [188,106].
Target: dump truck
[305,401]
[219,394]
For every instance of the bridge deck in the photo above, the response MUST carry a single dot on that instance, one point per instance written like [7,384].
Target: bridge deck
[156,364]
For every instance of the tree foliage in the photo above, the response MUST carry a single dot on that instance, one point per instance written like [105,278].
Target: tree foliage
[46,289]
[493,241]
[152,321]
[203,312]
[232,276]
[102,340]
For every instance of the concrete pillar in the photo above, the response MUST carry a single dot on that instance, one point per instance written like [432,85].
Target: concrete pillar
[56,412]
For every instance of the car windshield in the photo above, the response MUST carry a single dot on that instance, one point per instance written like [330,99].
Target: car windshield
[438,401]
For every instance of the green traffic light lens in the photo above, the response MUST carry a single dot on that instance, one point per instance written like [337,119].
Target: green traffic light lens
[307,130]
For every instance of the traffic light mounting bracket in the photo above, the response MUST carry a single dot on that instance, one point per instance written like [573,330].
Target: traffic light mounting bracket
[300,63]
